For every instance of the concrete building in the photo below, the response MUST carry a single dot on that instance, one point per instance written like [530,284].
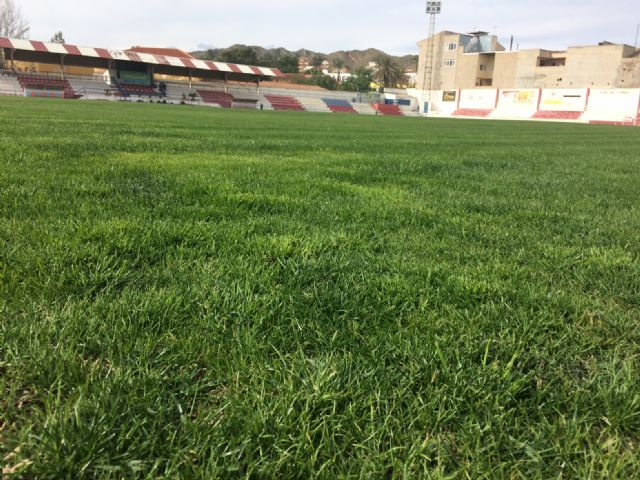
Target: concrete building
[478,60]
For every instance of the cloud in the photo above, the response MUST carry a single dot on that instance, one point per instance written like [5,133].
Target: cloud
[328,25]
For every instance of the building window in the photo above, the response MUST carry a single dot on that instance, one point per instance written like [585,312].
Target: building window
[552,62]
[483,67]
[452,46]
[449,63]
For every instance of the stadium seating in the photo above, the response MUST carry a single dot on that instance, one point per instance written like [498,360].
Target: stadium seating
[46,83]
[339,106]
[282,102]
[134,89]
[409,111]
[93,87]
[313,104]
[244,96]
[244,99]
[557,115]
[222,99]
[613,108]
[388,109]
[9,85]
[472,112]
[177,91]
[245,104]
[364,108]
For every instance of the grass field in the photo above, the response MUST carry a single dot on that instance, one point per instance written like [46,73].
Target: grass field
[198,293]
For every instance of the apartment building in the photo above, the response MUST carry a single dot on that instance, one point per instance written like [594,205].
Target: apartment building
[477,59]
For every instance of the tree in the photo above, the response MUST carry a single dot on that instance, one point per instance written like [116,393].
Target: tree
[288,63]
[339,63]
[360,82]
[58,37]
[389,71]
[325,81]
[316,61]
[12,23]
[240,54]
[268,59]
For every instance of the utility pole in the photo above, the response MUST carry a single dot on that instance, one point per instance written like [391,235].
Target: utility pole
[637,35]
[433,9]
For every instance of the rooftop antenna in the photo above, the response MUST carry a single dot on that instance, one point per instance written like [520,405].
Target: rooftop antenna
[637,35]
[433,9]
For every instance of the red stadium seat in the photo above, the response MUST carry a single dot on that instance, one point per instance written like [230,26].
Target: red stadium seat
[384,109]
[339,105]
[140,90]
[50,86]
[216,98]
[281,102]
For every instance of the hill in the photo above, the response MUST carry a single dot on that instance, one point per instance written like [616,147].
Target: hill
[268,57]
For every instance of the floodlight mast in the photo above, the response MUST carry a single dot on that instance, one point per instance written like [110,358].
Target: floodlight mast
[433,9]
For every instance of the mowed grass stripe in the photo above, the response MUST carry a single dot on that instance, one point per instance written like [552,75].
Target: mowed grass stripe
[203,293]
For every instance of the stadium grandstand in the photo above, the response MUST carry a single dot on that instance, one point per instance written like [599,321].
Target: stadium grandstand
[42,69]
[168,75]
[60,70]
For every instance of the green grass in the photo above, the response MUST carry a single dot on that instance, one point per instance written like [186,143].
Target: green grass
[199,293]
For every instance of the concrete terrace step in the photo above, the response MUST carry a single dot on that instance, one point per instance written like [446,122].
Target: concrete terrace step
[313,104]
[10,86]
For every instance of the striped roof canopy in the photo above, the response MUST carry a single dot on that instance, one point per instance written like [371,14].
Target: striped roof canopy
[127,55]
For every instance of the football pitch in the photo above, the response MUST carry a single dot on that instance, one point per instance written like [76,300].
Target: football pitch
[202,293]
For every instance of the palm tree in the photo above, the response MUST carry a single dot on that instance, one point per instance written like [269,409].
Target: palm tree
[339,63]
[317,61]
[389,71]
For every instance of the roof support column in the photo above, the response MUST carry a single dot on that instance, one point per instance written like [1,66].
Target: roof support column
[13,62]
[190,80]
[62,66]
[226,85]
[110,69]
[258,86]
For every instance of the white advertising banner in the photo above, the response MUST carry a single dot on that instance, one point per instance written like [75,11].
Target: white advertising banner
[563,100]
[518,103]
[444,102]
[479,99]
[621,102]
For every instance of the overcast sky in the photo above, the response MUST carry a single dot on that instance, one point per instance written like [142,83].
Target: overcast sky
[326,25]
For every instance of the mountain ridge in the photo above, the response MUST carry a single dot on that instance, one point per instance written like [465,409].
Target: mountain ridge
[353,59]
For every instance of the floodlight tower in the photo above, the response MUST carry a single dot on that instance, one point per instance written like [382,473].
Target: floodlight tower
[433,9]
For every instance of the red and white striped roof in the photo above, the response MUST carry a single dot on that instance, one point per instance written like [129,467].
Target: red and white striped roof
[64,49]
